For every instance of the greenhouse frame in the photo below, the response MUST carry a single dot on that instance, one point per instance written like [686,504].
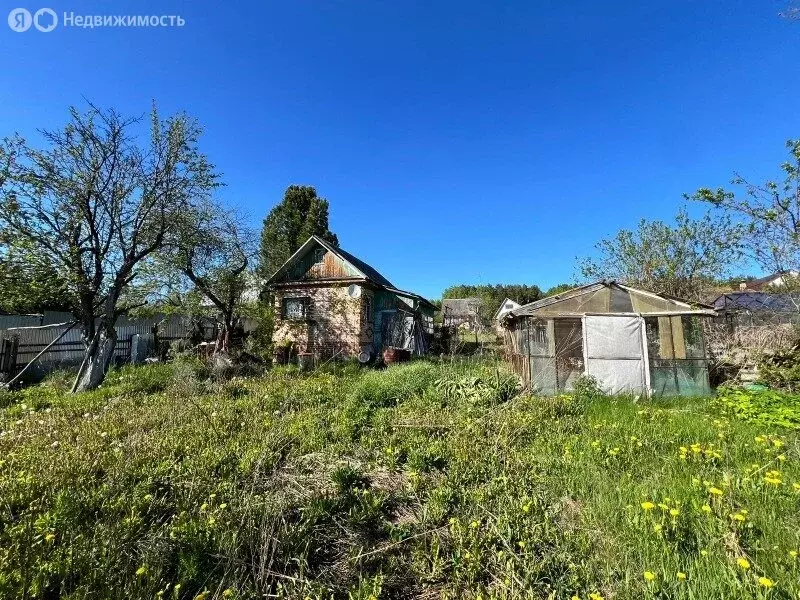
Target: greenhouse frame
[631,341]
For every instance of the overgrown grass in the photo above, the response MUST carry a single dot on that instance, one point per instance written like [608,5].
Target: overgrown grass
[422,480]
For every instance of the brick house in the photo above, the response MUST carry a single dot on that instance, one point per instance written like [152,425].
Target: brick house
[331,304]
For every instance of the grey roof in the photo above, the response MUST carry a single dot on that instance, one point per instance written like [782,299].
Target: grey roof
[580,300]
[461,307]
[755,301]
[762,282]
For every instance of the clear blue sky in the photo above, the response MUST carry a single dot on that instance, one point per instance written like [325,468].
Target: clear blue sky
[458,142]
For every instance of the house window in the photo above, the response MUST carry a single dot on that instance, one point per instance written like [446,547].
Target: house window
[295,309]
[319,256]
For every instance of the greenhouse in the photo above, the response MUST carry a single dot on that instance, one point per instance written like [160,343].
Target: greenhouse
[631,341]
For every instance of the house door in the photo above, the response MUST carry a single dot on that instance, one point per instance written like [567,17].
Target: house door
[614,347]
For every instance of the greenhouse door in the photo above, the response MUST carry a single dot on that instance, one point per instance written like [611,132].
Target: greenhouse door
[615,354]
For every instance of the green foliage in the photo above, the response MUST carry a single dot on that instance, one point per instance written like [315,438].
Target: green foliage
[769,213]
[781,369]
[558,289]
[765,407]
[423,479]
[586,387]
[682,259]
[290,223]
[29,283]
[493,295]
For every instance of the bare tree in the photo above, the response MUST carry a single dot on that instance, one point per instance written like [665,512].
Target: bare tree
[100,204]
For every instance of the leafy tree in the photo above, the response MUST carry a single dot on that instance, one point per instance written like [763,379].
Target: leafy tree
[560,288]
[769,213]
[29,283]
[493,295]
[681,259]
[98,204]
[289,224]
[211,259]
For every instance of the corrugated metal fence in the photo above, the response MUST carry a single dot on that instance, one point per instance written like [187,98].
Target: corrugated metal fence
[27,342]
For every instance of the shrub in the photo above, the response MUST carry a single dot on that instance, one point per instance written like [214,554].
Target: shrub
[781,370]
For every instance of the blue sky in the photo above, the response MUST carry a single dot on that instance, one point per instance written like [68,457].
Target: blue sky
[458,142]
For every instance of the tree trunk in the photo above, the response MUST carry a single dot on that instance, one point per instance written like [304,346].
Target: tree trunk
[96,360]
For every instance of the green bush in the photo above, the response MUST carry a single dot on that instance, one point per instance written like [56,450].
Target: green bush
[781,370]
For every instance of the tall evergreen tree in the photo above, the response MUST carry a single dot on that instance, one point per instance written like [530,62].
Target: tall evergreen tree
[299,215]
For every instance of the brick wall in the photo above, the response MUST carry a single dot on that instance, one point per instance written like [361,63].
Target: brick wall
[333,323]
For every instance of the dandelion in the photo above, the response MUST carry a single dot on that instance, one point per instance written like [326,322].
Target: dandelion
[674,512]
[703,552]
[521,544]
[765,582]
[706,508]
[738,517]
[49,537]
[796,487]
[141,571]
[657,528]
[648,505]
[743,563]
[474,524]
[715,491]
[595,596]
[681,576]
[649,575]
[227,593]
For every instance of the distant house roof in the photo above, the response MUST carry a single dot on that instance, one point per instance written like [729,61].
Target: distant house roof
[506,306]
[361,269]
[772,279]
[461,307]
[607,297]
[755,301]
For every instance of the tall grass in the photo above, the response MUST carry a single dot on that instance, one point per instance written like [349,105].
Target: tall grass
[432,480]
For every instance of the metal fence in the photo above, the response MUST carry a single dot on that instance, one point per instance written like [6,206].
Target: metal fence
[21,345]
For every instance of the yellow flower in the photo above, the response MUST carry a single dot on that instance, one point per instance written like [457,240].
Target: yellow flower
[738,517]
[681,576]
[796,487]
[743,562]
[649,575]
[674,512]
[474,524]
[595,596]
[715,491]
[648,505]
[49,537]
[766,582]
[706,508]
[793,553]
[703,552]
[575,598]
[521,544]
[141,571]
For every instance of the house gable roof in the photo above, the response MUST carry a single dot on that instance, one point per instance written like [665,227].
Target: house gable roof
[505,306]
[356,266]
